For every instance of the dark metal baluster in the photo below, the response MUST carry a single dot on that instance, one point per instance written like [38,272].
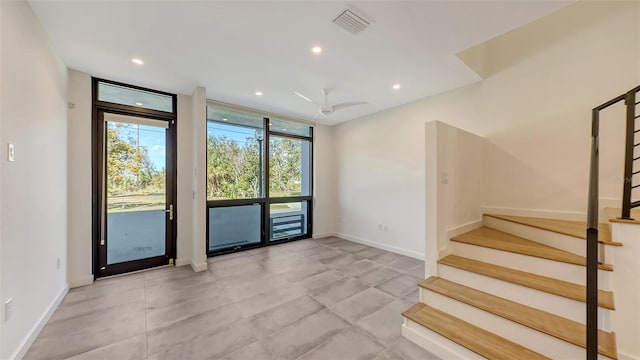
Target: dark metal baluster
[630,101]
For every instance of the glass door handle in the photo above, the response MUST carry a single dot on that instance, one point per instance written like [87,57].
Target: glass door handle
[170,211]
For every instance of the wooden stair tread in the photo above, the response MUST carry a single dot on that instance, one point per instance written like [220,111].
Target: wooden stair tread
[470,336]
[494,239]
[538,282]
[614,214]
[576,229]
[550,324]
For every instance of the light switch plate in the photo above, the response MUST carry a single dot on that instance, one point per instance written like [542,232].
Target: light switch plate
[8,309]
[11,153]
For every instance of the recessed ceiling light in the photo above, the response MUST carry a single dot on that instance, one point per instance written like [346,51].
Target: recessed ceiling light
[284,129]
[396,86]
[258,93]
[270,124]
[225,119]
[316,49]
[137,61]
[139,104]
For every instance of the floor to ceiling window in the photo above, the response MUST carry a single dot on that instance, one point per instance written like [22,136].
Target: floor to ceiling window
[258,180]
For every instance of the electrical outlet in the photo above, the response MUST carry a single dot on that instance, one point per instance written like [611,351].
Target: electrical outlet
[379,227]
[8,309]
[11,153]
[385,227]
[58,263]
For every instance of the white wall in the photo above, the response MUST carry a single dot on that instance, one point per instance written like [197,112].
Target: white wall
[184,206]
[324,182]
[626,289]
[199,180]
[79,180]
[534,110]
[34,187]
[379,162]
[455,183]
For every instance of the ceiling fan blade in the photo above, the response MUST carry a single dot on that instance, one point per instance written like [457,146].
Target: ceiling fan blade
[348,104]
[318,114]
[304,97]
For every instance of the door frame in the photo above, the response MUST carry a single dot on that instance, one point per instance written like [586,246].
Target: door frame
[97,185]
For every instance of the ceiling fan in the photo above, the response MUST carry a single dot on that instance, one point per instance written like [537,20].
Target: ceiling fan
[326,108]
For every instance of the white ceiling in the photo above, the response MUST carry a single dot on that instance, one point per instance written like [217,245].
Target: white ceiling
[236,48]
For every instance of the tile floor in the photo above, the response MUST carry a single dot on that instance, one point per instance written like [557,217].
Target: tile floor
[312,299]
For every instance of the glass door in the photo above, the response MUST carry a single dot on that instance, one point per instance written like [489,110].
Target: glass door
[137,210]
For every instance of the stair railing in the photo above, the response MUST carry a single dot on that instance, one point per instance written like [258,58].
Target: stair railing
[592,212]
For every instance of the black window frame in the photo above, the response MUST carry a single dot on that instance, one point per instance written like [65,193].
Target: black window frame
[265,200]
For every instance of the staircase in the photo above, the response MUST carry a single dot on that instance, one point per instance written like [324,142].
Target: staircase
[514,288]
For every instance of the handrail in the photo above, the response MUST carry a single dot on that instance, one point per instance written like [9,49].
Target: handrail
[593,206]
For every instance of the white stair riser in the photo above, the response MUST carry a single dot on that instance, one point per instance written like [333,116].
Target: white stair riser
[436,343]
[558,305]
[564,242]
[535,265]
[532,339]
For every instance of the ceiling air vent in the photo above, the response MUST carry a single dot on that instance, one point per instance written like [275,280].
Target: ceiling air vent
[351,22]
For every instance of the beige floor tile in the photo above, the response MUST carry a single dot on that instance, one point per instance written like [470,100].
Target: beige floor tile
[134,348]
[400,286]
[322,279]
[377,276]
[385,325]
[361,304]
[272,320]
[358,267]
[210,345]
[255,351]
[167,315]
[69,310]
[338,291]
[351,344]
[410,351]
[304,335]
[274,303]
[75,336]
[164,338]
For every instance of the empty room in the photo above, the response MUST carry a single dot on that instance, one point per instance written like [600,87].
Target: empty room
[319,180]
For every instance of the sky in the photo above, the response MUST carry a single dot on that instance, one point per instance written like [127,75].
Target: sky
[150,137]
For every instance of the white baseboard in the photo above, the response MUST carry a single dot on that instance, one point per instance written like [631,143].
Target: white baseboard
[444,252]
[555,214]
[623,356]
[461,229]
[394,249]
[182,262]
[21,351]
[199,267]
[455,231]
[323,235]
[84,281]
